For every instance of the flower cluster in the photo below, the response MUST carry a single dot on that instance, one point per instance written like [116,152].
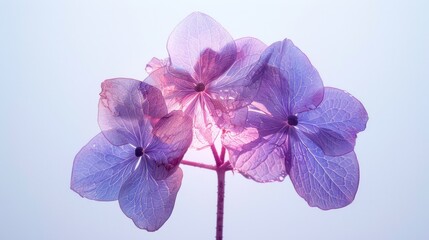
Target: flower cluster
[268,103]
[135,159]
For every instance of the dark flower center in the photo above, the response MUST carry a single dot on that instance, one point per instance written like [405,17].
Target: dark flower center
[199,87]
[138,151]
[292,120]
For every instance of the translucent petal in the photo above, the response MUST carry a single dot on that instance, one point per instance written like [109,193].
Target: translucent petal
[266,124]
[323,181]
[263,160]
[100,169]
[123,105]
[333,125]
[236,140]
[155,64]
[178,90]
[180,94]
[236,88]
[247,124]
[201,47]
[172,138]
[234,123]
[289,83]
[205,129]
[149,202]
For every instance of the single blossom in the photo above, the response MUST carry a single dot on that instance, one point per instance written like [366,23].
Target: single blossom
[207,75]
[135,159]
[297,127]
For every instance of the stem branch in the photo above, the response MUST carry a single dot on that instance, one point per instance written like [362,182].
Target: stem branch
[200,165]
[222,154]
[216,155]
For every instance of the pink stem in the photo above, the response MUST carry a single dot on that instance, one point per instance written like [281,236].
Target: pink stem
[216,156]
[220,170]
[222,154]
[220,202]
[200,165]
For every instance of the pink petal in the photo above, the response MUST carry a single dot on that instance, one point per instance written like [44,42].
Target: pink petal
[205,128]
[201,47]
[178,91]
[156,64]
[172,138]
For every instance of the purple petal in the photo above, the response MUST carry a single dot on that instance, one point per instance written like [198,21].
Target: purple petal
[147,201]
[263,160]
[172,138]
[124,104]
[202,47]
[100,169]
[236,88]
[289,83]
[333,125]
[323,181]
[266,125]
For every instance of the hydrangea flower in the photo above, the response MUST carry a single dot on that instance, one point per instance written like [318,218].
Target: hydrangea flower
[304,130]
[135,159]
[207,74]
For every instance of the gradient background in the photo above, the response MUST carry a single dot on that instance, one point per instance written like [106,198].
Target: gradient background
[55,54]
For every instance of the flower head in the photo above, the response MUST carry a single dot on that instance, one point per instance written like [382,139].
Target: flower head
[304,130]
[207,74]
[135,159]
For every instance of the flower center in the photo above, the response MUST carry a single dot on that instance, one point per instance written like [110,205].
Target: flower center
[138,152]
[199,87]
[292,120]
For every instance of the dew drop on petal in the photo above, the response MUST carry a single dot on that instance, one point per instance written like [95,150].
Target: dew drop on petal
[149,68]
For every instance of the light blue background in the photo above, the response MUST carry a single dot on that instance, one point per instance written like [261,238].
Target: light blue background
[55,54]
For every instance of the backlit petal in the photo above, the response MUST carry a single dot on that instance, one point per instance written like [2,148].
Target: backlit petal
[323,181]
[172,138]
[201,47]
[100,169]
[204,121]
[289,83]
[236,88]
[155,64]
[149,202]
[265,124]
[123,105]
[263,160]
[333,125]
[178,90]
